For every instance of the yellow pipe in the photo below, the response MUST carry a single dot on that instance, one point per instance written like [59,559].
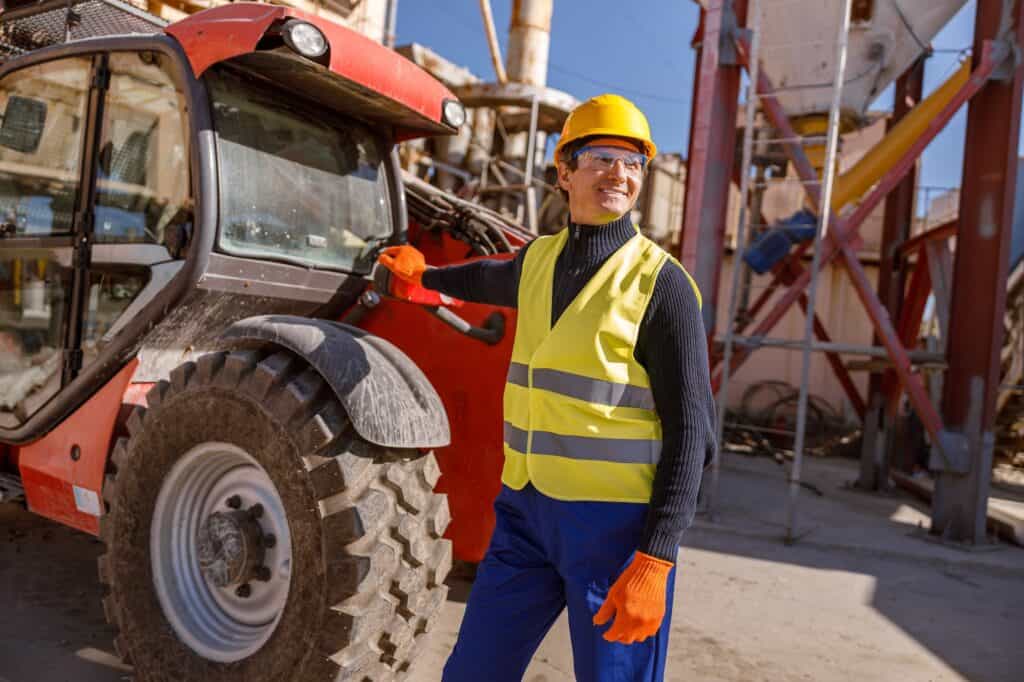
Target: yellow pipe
[872,166]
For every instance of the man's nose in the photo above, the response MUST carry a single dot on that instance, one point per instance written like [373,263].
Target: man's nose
[618,168]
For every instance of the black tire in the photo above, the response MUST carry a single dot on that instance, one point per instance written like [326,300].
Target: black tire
[368,560]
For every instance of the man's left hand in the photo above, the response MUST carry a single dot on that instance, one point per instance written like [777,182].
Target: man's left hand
[636,600]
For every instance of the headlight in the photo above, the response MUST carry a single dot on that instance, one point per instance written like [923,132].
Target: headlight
[304,38]
[453,113]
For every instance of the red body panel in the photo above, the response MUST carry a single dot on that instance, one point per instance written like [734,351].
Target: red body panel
[228,31]
[469,375]
[49,473]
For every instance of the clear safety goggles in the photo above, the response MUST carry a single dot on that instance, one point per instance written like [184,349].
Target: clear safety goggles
[603,158]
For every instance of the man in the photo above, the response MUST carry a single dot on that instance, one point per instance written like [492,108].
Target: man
[608,421]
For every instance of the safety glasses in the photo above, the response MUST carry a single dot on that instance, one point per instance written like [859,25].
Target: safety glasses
[603,158]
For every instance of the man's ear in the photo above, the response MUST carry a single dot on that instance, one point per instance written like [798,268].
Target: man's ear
[563,176]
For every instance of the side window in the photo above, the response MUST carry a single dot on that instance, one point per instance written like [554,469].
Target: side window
[142,176]
[40,146]
[41,139]
[33,287]
[142,190]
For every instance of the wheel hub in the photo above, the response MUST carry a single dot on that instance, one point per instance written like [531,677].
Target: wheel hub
[229,548]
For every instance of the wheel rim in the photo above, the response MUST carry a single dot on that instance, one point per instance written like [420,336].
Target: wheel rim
[223,624]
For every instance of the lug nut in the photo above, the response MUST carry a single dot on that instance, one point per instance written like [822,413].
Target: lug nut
[269,540]
[243,591]
[261,573]
[256,511]
[234,502]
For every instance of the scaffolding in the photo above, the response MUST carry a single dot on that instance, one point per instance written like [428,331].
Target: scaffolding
[821,195]
[959,436]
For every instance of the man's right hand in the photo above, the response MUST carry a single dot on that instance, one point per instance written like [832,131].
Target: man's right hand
[404,262]
[399,274]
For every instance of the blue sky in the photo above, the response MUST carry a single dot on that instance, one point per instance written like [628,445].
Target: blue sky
[642,50]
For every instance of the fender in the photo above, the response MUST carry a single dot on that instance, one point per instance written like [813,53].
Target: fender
[388,399]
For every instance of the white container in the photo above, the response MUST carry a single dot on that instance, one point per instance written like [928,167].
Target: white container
[798,48]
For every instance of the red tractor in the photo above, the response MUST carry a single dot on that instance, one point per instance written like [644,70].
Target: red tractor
[193,363]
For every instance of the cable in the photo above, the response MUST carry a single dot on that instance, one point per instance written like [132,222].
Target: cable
[464,22]
[903,18]
[813,86]
[617,88]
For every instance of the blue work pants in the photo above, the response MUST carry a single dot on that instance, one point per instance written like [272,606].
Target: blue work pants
[546,555]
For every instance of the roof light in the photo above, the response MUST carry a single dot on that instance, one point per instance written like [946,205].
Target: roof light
[453,113]
[304,38]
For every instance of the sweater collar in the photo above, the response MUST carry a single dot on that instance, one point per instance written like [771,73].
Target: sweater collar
[588,242]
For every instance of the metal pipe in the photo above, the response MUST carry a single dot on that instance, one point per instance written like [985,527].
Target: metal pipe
[529,41]
[390,23]
[492,41]
[842,41]
[873,165]
[530,197]
[916,356]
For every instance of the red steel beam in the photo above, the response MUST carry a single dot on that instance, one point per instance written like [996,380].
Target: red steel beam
[979,281]
[899,213]
[908,325]
[711,150]
[944,231]
[916,300]
[882,323]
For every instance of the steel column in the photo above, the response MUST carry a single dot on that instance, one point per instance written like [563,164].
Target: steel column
[711,150]
[899,212]
[979,286]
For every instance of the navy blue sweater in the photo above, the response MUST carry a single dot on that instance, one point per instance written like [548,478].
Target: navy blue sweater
[671,347]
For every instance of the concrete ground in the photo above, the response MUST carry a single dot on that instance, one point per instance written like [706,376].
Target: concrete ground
[864,595]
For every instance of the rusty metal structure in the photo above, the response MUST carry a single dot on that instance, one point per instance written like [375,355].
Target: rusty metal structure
[960,423]
[498,158]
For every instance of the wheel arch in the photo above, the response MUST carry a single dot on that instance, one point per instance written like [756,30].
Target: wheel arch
[388,399]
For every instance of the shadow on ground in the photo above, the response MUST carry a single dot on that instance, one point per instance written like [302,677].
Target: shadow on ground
[966,607]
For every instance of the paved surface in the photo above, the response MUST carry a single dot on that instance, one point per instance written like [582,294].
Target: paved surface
[863,596]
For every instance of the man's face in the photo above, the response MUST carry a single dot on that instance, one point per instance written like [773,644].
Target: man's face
[600,194]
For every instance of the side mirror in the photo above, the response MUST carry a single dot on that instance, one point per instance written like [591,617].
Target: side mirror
[22,127]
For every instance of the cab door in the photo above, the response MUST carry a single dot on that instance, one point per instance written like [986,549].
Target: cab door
[95,210]
[43,141]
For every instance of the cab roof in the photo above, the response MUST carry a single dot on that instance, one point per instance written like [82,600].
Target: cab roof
[374,76]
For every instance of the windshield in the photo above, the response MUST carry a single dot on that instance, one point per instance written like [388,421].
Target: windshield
[295,184]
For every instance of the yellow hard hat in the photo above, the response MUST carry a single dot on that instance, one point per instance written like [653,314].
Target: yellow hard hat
[607,115]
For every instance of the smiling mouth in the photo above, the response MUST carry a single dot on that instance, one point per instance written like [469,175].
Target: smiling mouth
[612,191]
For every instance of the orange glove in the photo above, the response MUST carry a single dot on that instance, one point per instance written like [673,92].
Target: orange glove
[637,600]
[399,273]
[406,262]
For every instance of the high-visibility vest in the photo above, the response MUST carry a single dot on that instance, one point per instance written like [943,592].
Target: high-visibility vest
[580,421]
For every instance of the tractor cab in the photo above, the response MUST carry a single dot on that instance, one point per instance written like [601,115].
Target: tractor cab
[188,216]
[244,151]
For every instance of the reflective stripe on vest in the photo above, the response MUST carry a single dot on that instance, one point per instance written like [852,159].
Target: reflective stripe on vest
[622,450]
[583,388]
[580,422]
